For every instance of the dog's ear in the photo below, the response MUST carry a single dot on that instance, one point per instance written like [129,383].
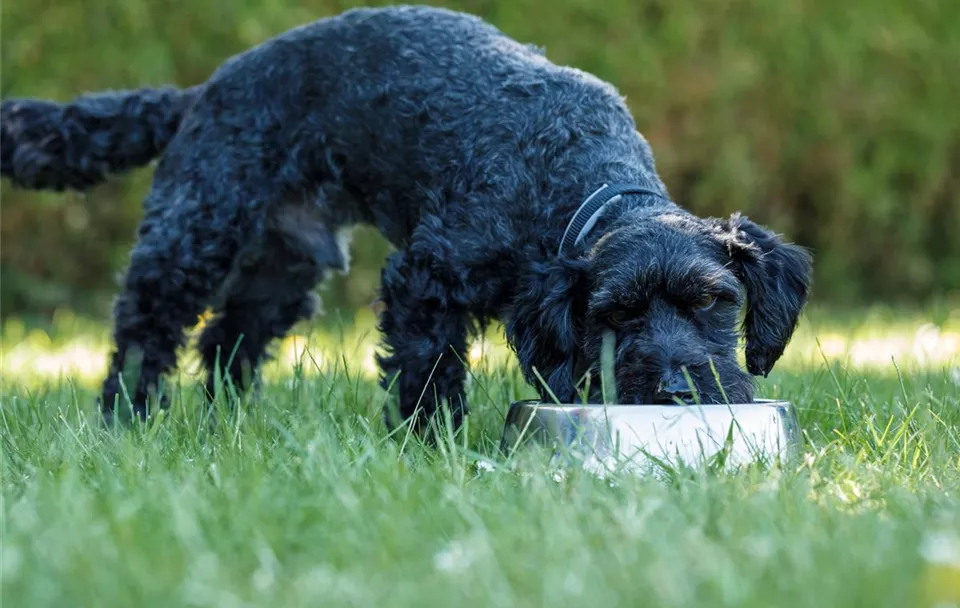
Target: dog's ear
[777,277]
[544,324]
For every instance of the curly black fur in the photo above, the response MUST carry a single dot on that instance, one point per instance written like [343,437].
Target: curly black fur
[469,152]
[53,146]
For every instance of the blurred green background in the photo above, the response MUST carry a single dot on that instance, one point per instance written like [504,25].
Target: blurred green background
[834,123]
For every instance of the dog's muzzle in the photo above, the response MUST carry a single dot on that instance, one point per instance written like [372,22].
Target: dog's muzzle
[672,386]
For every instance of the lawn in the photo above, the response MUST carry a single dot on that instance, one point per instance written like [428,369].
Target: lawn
[298,499]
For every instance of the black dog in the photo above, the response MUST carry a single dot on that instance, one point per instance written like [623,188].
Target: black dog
[486,166]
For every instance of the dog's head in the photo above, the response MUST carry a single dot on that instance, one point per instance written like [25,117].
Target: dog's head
[669,288]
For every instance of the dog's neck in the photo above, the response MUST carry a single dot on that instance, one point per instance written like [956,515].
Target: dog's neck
[594,207]
[600,207]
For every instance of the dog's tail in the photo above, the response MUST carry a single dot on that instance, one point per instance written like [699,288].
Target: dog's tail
[46,145]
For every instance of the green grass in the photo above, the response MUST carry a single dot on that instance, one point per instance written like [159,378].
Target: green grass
[300,500]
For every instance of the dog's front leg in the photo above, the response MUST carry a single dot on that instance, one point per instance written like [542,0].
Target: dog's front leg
[424,332]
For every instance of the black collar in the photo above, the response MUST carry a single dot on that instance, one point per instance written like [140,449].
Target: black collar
[593,207]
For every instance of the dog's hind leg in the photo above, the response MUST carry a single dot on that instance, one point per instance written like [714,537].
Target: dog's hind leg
[272,291]
[195,225]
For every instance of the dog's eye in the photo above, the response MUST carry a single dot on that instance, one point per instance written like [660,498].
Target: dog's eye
[706,302]
[618,318]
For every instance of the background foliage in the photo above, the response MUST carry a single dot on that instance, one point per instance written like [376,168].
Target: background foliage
[835,123]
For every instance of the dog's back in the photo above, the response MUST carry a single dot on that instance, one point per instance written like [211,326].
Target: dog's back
[407,100]
[415,101]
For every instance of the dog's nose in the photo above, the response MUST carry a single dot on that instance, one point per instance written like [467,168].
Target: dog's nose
[673,384]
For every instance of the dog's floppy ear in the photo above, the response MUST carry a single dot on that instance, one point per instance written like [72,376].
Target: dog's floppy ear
[777,277]
[543,325]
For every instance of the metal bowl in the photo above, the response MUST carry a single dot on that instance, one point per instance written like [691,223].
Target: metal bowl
[611,436]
